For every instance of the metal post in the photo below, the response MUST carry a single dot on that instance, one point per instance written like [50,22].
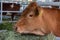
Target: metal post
[1,11]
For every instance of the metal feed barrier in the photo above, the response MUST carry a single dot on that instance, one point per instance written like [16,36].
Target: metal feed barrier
[13,1]
[1,15]
[39,3]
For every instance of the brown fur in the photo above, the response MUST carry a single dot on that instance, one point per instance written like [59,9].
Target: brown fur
[30,8]
[46,21]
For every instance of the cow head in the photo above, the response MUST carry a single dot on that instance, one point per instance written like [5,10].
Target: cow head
[31,21]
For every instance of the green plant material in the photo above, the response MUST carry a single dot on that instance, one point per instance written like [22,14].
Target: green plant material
[11,35]
[6,26]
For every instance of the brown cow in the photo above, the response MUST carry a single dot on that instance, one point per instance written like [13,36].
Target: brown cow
[38,20]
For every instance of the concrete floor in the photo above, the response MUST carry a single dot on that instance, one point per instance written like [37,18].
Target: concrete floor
[57,38]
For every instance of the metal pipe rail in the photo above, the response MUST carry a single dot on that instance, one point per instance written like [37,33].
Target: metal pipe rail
[17,2]
[48,3]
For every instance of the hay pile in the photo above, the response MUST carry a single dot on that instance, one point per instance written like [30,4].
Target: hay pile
[11,35]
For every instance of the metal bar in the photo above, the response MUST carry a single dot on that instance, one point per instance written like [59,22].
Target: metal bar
[10,1]
[11,11]
[1,11]
[7,21]
[48,3]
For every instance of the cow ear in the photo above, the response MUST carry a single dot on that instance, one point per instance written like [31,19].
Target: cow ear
[36,11]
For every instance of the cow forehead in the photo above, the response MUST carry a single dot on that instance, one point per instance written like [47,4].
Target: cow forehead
[31,7]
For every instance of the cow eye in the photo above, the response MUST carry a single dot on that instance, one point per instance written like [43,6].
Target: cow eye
[30,15]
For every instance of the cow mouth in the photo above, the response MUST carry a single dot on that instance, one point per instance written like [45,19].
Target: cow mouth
[31,33]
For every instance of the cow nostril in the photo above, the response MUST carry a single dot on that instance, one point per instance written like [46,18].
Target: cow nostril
[15,28]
